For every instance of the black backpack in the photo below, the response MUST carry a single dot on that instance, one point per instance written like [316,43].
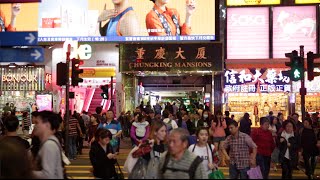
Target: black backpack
[191,171]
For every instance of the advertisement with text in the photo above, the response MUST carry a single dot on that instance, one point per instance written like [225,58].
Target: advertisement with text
[126,20]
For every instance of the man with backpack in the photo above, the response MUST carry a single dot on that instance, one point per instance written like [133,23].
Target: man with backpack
[178,162]
[171,124]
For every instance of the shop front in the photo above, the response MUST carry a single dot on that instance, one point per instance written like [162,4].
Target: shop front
[257,92]
[170,73]
[21,87]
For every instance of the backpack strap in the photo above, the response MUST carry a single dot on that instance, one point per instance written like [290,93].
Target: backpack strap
[194,147]
[211,152]
[194,166]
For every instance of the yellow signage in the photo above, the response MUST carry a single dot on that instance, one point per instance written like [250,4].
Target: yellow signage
[97,72]
[252,2]
[307,1]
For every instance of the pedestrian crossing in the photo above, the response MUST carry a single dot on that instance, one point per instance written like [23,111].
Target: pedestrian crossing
[82,169]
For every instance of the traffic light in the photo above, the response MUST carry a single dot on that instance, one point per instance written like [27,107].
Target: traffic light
[310,65]
[62,70]
[76,71]
[105,89]
[296,64]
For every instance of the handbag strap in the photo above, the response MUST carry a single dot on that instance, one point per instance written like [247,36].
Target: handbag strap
[119,166]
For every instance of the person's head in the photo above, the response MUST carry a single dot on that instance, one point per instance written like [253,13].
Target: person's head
[140,117]
[166,114]
[246,116]
[205,114]
[314,117]
[34,114]
[227,113]
[25,114]
[274,121]
[202,135]
[151,114]
[118,2]
[288,126]
[275,103]
[295,117]
[161,2]
[232,116]
[84,112]
[307,123]
[46,122]
[178,141]
[234,127]
[264,123]
[138,110]
[270,113]
[15,163]
[109,115]
[99,110]
[185,117]
[158,131]
[103,136]
[94,118]
[7,104]
[11,123]
[196,116]
[280,116]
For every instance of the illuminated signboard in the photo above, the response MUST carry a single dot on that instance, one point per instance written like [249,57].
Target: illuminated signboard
[256,80]
[251,2]
[87,20]
[44,102]
[307,1]
[292,27]
[248,33]
[13,17]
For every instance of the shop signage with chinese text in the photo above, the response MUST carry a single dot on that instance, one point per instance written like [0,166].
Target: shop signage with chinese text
[171,57]
[252,2]
[256,81]
[22,78]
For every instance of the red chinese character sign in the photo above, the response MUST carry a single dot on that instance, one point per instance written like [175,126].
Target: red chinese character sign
[171,57]
[256,80]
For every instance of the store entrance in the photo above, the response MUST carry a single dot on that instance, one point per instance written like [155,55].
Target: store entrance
[191,90]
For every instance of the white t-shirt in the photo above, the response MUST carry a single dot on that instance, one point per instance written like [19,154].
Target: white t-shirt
[141,128]
[173,123]
[203,154]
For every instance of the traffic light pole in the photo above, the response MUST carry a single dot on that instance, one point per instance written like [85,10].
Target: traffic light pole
[303,91]
[67,114]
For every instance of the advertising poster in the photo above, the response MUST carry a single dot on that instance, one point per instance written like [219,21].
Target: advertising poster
[248,33]
[292,27]
[18,17]
[44,102]
[126,20]
[251,2]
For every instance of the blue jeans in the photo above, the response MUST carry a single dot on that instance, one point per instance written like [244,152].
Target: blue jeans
[234,172]
[264,163]
[72,147]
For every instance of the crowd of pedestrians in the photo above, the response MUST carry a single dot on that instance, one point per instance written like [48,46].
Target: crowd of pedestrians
[167,143]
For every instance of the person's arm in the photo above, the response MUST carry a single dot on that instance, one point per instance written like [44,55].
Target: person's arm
[133,133]
[79,128]
[226,146]
[201,172]
[254,135]
[129,26]
[93,156]
[49,154]
[147,133]
[119,129]
[253,146]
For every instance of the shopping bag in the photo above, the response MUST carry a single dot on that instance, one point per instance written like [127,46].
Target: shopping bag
[130,161]
[114,142]
[119,173]
[255,173]
[139,170]
[217,174]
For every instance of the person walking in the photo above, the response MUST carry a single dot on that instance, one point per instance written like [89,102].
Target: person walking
[26,123]
[178,161]
[49,157]
[93,126]
[239,145]
[206,151]
[262,137]
[219,135]
[102,156]
[288,142]
[245,124]
[140,130]
[309,148]
[74,128]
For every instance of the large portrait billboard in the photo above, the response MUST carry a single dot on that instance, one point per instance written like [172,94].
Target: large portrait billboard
[126,20]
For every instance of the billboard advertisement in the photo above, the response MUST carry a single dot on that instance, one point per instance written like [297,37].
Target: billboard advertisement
[126,20]
[248,33]
[292,27]
[18,17]
[252,2]
[307,1]
[44,102]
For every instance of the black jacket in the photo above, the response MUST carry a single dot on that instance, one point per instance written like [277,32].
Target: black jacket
[245,126]
[103,167]
[293,149]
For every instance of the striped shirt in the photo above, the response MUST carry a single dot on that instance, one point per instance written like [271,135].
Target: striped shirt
[26,122]
[73,126]
[183,164]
